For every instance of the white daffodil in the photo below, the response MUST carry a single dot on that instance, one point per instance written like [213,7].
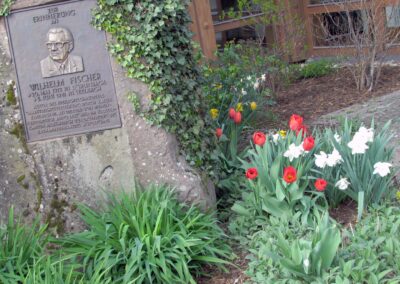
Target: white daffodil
[263,77]
[248,78]
[359,142]
[321,159]
[244,92]
[342,184]
[357,146]
[367,134]
[275,138]
[334,158]
[337,138]
[382,168]
[256,85]
[294,152]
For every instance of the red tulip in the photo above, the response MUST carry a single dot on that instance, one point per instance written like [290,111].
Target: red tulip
[320,184]
[232,113]
[238,118]
[251,173]
[295,122]
[308,143]
[289,174]
[259,138]
[218,132]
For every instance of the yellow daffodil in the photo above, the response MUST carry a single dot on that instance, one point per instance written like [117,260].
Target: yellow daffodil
[282,133]
[253,105]
[214,113]
[218,86]
[398,195]
[239,107]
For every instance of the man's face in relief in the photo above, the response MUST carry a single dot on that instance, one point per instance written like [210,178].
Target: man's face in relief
[58,46]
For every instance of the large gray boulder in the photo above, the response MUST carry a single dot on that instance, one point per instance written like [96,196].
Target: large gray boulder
[53,176]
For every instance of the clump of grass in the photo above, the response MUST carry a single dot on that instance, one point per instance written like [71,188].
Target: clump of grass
[20,246]
[146,237]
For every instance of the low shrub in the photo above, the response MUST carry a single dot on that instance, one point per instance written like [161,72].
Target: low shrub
[314,69]
[146,237]
[367,253]
[290,252]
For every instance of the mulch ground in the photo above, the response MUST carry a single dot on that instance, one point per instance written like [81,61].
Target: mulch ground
[312,98]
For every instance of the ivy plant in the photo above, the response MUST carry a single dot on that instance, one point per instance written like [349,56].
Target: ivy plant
[153,42]
[5,7]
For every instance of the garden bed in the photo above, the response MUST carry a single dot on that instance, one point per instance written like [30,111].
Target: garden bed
[313,98]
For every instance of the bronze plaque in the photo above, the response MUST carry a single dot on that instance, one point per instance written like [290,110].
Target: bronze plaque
[64,75]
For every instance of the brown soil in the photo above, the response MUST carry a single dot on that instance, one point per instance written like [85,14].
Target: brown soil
[234,275]
[345,213]
[314,97]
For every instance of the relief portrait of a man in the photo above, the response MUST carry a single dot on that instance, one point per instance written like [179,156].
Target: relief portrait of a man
[60,43]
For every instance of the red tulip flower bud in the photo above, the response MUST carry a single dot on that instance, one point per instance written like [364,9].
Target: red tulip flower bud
[320,184]
[295,122]
[251,173]
[259,138]
[308,143]
[218,132]
[289,174]
[238,118]
[232,113]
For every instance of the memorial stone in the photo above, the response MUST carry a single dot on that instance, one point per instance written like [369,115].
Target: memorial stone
[82,137]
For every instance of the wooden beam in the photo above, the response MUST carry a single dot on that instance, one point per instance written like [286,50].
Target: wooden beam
[347,5]
[236,23]
[202,26]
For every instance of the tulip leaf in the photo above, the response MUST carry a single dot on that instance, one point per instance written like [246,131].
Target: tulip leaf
[276,207]
[275,168]
[295,192]
[240,210]
[280,194]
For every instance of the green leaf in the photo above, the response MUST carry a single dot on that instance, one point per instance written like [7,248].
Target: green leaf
[280,194]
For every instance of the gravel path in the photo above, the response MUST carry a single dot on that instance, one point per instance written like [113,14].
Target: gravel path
[382,109]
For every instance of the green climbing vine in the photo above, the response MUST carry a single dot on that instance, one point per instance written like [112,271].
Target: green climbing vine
[152,41]
[5,7]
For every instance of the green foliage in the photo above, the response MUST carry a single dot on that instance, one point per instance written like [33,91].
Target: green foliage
[315,69]
[146,237]
[287,251]
[152,41]
[5,7]
[10,94]
[242,78]
[48,271]
[369,252]
[227,152]
[269,8]
[243,72]
[372,254]
[20,246]
[312,256]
